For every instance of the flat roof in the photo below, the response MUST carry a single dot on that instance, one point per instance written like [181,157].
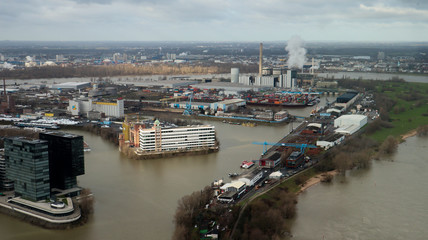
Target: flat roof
[163,83]
[237,184]
[317,125]
[70,84]
[27,140]
[332,137]
[228,195]
[352,117]
[61,134]
[231,101]
[251,174]
[193,103]
[227,86]
[347,129]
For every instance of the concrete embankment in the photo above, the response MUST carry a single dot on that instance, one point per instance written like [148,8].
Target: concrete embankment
[42,220]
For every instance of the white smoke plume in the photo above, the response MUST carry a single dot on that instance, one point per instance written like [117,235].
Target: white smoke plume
[296,53]
[29,59]
[7,65]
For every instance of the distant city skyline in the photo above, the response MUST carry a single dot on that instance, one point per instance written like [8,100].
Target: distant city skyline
[214,20]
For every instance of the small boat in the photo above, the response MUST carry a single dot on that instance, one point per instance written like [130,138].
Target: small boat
[86,147]
[247,164]
[231,175]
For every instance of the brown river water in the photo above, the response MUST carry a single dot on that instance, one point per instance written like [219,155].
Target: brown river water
[136,199]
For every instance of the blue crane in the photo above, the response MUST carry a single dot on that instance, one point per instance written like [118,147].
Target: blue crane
[302,146]
[188,109]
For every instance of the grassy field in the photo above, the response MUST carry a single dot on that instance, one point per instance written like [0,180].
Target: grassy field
[291,184]
[410,111]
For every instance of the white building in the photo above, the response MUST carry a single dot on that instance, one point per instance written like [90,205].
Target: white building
[234,75]
[235,186]
[71,85]
[110,109]
[252,177]
[179,138]
[228,105]
[349,124]
[330,141]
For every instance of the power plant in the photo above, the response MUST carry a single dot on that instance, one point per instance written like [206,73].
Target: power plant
[261,60]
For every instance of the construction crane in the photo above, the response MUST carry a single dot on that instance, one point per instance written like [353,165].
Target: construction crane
[302,146]
[188,109]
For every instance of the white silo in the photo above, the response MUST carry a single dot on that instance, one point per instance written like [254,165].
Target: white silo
[234,75]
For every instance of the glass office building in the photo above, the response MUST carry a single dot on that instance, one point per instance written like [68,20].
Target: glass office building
[27,165]
[66,158]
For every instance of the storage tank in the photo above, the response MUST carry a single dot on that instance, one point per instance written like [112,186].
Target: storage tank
[234,75]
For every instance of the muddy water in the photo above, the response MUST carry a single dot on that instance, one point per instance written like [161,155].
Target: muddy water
[388,201]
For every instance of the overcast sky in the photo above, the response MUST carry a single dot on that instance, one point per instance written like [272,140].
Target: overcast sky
[214,20]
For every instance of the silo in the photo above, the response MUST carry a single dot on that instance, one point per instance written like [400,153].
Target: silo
[234,75]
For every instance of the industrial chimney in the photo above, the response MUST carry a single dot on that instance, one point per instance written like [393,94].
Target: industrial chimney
[4,87]
[261,60]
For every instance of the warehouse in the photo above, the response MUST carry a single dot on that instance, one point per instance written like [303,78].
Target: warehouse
[109,109]
[193,105]
[228,105]
[252,177]
[346,99]
[71,85]
[349,124]
[330,141]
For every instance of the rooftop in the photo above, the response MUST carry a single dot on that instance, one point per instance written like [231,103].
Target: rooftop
[61,134]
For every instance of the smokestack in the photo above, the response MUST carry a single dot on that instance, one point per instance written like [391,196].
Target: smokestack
[313,65]
[261,60]
[4,87]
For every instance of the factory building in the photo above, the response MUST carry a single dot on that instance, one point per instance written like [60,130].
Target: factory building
[83,107]
[349,124]
[228,105]
[27,165]
[272,78]
[347,99]
[234,75]
[193,105]
[176,138]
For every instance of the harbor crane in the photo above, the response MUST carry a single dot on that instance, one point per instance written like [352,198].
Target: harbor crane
[302,146]
[188,109]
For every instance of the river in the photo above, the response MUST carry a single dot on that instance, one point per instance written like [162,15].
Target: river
[136,199]
[376,76]
[387,201]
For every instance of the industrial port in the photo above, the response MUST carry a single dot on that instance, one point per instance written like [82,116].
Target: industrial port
[152,117]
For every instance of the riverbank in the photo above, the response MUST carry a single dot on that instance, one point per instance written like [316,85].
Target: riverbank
[133,154]
[412,133]
[315,180]
[365,204]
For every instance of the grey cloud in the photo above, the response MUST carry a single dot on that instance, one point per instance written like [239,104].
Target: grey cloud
[199,18]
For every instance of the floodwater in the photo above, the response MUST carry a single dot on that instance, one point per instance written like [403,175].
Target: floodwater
[388,201]
[376,76]
[137,199]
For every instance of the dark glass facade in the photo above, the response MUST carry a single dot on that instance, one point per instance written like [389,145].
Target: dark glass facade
[27,165]
[5,184]
[66,158]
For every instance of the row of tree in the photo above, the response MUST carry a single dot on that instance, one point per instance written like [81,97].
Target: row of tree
[265,218]
[123,70]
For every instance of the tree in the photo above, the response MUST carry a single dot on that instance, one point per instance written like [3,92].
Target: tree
[389,146]
[342,162]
